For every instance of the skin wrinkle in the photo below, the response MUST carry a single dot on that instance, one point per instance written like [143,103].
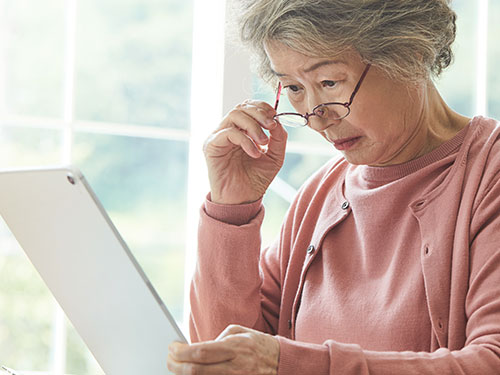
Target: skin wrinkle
[421,124]
[412,136]
[312,67]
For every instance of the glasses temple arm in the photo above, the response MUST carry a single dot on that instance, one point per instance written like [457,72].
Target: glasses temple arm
[365,72]
[278,94]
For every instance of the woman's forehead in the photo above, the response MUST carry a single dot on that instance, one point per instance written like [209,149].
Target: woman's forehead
[285,60]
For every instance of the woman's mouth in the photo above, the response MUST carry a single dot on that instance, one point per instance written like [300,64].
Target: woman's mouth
[345,144]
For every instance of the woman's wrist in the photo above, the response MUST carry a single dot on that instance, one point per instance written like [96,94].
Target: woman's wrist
[302,358]
[234,214]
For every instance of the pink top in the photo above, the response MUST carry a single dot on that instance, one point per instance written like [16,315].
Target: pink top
[376,271]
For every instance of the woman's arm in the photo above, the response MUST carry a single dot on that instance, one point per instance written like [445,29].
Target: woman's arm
[228,281]
[242,161]
[337,358]
[481,353]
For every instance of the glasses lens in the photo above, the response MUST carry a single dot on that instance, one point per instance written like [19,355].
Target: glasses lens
[291,120]
[332,111]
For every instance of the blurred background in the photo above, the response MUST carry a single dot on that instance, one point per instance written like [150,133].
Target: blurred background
[127,90]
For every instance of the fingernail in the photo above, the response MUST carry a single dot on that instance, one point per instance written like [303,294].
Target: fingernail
[272,125]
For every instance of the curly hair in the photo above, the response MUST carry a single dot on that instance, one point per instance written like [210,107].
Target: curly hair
[410,40]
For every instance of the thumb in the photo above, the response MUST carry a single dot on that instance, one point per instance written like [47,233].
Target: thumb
[233,329]
[277,141]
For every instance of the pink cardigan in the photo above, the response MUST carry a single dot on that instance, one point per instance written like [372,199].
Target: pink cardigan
[459,223]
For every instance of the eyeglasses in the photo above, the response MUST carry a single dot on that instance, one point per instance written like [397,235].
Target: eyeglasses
[332,111]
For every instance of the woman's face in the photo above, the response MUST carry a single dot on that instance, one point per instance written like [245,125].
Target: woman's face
[384,126]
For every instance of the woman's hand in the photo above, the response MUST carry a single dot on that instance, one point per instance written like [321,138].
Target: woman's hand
[240,169]
[237,350]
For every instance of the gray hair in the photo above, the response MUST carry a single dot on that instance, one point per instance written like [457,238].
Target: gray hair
[410,40]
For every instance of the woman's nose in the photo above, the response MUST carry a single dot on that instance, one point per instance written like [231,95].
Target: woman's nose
[326,115]
[319,118]
[318,123]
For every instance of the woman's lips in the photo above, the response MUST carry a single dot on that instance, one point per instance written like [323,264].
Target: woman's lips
[345,144]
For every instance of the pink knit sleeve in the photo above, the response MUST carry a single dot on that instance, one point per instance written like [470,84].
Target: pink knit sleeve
[226,287]
[333,358]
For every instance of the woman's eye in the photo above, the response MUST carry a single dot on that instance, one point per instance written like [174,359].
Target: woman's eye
[328,83]
[292,88]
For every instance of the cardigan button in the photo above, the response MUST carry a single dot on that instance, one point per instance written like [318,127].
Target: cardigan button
[289,324]
[426,250]
[310,249]
[345,205]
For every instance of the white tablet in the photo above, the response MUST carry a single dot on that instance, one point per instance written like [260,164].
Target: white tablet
[82,258]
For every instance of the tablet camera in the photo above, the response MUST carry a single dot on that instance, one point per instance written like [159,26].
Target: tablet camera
[71,179]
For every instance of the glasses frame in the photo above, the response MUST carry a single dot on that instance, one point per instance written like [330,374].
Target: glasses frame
[313,112]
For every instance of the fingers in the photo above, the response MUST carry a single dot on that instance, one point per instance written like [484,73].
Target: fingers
[277,143]
[242,159]
[237,350]
[251,117]
[259,111]
[252,126]
[233,329]
[203,353]
[181,368]
[222,143]
[201,358]
[244,127]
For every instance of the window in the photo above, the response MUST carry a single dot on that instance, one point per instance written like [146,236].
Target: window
[127,90]
[105,85]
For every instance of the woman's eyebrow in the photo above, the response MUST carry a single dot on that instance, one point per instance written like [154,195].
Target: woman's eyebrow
[322,63]
[312,67]
[278,74]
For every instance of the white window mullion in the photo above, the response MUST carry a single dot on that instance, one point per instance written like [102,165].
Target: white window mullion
[3,54]
[59,327]
[238,77]
[59,341]
[206,111]
[482,58]
[69,79]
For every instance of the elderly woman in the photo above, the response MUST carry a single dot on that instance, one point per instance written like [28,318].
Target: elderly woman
[388,261]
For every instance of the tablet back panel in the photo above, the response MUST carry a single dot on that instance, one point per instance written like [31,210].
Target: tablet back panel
[79,254]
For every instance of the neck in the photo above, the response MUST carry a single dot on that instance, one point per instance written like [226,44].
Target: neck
[438,123]
[442,122]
